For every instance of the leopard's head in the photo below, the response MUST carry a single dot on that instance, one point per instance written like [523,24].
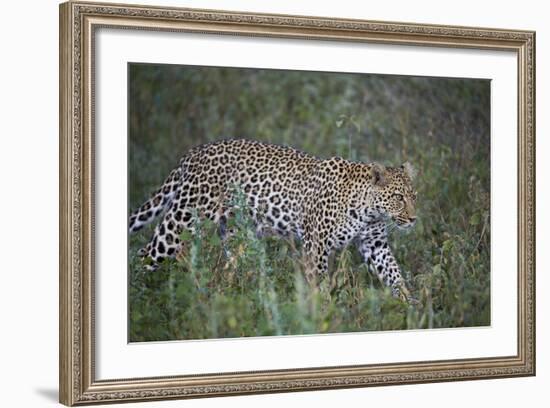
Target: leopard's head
[393,194]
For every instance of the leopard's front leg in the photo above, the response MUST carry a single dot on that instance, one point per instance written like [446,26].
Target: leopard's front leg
[316,260]
[374,248]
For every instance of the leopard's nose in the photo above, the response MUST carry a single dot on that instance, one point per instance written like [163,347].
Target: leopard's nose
[412,219]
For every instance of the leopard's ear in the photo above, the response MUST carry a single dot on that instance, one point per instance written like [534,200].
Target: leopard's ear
[378,172]
[409,170]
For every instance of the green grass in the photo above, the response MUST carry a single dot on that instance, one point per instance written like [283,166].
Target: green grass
[255,287]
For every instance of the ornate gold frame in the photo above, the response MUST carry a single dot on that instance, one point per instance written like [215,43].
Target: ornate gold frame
[77,24]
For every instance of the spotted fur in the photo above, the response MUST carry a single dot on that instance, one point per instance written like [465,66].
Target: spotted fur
[328,204]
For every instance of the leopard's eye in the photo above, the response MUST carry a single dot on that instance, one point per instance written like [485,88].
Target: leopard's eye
[398,196]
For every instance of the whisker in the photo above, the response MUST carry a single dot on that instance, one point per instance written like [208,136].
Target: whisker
[390,227]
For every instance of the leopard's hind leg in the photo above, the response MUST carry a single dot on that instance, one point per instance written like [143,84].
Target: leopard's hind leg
[187,204]
[166,241]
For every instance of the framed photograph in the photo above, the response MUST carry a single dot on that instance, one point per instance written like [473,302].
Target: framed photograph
[256,203]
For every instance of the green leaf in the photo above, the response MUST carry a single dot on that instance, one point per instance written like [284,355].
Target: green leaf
[215,240]
[475,219]
[447,245]
[186,236]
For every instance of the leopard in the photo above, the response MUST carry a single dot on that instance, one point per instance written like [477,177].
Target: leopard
[326,204]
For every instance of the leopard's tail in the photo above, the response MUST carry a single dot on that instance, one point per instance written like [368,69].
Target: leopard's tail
[159,201]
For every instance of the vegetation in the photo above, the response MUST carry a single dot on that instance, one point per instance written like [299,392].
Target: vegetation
[254,287]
